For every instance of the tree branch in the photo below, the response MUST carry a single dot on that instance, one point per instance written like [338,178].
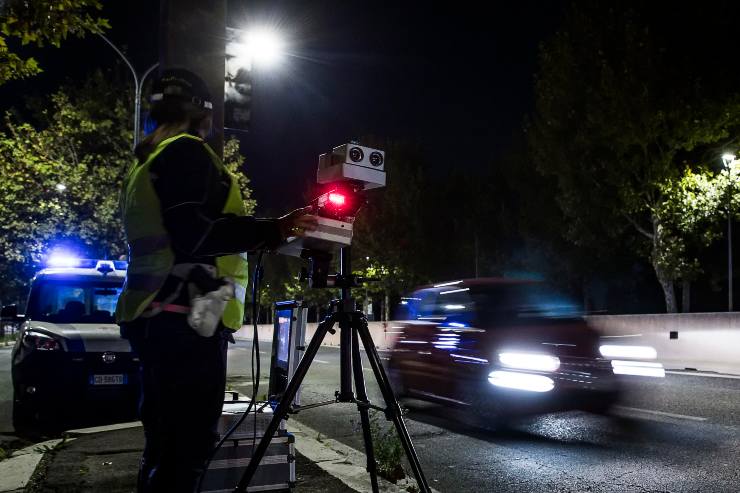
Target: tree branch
[639,228]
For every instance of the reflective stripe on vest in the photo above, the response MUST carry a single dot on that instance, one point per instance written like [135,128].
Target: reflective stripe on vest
[151,258]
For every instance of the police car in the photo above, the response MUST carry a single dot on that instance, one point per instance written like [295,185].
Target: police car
[69,364]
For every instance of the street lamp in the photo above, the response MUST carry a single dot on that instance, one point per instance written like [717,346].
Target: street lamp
[138,85]
[260,46]
[729,161]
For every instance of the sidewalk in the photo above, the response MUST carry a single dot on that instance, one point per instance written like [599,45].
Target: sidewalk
[106,460]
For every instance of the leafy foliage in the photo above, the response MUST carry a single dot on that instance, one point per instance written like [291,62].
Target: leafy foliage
[42,22]
[61,179]
[387,448]
[390,232]
[234,162]
[622,108]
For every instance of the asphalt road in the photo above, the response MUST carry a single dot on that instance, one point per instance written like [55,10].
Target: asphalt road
[677,434]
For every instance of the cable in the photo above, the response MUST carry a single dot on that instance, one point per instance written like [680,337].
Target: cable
[256,344]
[256,278]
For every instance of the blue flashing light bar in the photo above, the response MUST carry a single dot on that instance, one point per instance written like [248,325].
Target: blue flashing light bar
[62,260]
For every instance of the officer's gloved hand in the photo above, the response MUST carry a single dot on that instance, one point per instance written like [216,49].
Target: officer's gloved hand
[296,223]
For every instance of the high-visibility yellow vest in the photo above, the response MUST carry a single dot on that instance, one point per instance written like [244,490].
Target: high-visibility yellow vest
[150,256]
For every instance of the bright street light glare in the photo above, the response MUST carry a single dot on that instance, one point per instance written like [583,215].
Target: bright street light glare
[264,46]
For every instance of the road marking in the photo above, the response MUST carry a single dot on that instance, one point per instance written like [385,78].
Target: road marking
[321,361]
[697,374]
[660,413]
[385,359]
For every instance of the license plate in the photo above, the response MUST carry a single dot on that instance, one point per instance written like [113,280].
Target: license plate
[108,380]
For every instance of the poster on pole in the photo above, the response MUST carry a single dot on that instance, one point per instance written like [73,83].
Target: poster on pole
[238,83]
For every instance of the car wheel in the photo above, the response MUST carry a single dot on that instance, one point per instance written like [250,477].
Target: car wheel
[603,404]
[396,379]
[24,417]
[30,420]
[482,409]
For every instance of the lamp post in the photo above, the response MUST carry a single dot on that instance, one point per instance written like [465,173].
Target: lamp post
[729,160]
[138,86]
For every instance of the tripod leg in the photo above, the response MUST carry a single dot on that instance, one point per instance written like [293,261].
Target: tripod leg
[390,400]
[285,402]
[364,411]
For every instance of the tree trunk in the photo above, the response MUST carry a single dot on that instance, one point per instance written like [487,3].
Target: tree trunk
[686,296]
[665,281]
[669,292]
[386,307]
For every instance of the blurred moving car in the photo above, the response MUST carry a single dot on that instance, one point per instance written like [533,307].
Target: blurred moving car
[69,361]
[500,348]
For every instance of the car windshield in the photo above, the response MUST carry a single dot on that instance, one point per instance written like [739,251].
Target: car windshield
[489,304]
[72,301]
[526,300]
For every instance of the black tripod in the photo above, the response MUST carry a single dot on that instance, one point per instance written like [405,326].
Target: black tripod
[353,327]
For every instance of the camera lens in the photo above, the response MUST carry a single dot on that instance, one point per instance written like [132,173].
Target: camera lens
[356,154]
[376,159]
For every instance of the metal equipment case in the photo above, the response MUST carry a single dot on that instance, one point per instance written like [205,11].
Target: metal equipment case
[276,472]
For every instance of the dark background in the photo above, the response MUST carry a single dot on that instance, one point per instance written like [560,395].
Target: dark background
[457,81]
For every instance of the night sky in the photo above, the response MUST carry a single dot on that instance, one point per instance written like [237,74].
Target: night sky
[455,78]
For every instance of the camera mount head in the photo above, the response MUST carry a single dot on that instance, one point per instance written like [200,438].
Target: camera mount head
[347,171]
[352,163]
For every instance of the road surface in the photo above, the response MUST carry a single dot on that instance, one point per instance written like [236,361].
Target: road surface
[677,434]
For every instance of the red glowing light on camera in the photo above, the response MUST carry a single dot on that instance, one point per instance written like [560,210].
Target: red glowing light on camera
[337,199]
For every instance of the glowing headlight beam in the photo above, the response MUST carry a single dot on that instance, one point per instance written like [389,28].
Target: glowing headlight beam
[637,352]
[454,307]
[521,381]
[638,368]
[454,291]
[451,283]
[530,361]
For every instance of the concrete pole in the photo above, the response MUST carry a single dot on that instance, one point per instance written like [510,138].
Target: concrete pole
[192,36]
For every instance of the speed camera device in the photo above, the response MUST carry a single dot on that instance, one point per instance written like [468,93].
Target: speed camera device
[354,163]
[346,172]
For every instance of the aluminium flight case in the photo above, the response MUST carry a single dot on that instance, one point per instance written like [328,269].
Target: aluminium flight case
[275,473]
[277,469]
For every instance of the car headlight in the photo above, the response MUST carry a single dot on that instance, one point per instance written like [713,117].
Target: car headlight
[639,368]
[521,381]
[40,341]
[529,361]
[638,352]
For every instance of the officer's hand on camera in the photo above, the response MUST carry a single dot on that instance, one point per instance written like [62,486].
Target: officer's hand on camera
[296,223]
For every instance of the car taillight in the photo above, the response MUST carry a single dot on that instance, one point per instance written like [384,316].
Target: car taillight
[41,342]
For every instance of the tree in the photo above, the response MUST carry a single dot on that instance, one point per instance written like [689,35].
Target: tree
[624,101]
[61,176]
[234,163]
[42,22]
[390,240]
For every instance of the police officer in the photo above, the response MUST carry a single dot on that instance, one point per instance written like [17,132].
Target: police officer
[181,210]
